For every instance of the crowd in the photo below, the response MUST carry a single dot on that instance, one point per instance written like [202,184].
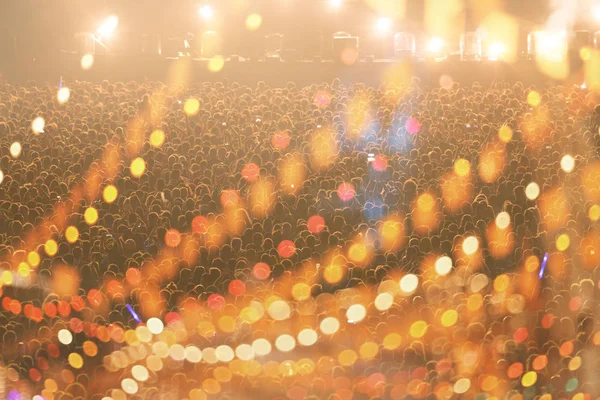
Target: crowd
[217,241]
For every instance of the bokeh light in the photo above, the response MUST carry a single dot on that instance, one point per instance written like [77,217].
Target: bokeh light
[137,167]
[443,265]
[90,215]
[38,124]
[215,64]
[15,149]
[532,191]
[87,61]
[63,95]
[534,99]
[109,194]
[503,220]
[253,22]
[157,138]
[409,283]
[462,167]
[470,245]
[191,106]
[567,163]
[72,234]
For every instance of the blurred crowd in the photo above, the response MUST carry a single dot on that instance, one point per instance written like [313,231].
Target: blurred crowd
[218,241]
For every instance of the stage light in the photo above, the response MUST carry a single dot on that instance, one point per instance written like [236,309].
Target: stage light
[335,3]
[549,45]
[435,45]
[384,25]
[108,27]
[496,50]
[596,12]
[206,12]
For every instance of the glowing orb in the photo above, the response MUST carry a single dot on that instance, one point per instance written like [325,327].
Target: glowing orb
[15,149]
[356,313]
[253,22]
[346,191]
[191,107]
[594,213]
[65,336]
[285,343]
[38,124]
[534,99]
[286,248]
[380,163]
[505,134]
[413,126]
[90,215]
[109,194]
[172,238]
[532,191]
[462,167]
[216,63]
[250,172]
[137,167]
[63,95]
[503,220]
[87,61]
[51,247]
[307,337]
[329,325]
[567,163]
[157,138]
[563,242]
[409,283]
[72,234]
[316,224]
[443,265]
[470,245]
[280,140]
[261,271]
[155,325]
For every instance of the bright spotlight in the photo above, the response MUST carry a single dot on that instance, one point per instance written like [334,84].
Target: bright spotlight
[336,3]
[206,12]
[496,50]
[435,45]
[596,12]
[108,27]
[384,25]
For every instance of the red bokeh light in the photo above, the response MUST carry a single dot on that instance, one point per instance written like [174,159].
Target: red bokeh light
[280,140]
[250,172]
[229,198]
[322,98]
[380,163]
[413,126]
[520,335]
[215,301]
[286,248]
[346,191]
[133,276]
[316,224]
[261,271]
[237,287]
[200,224]
[172,238]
